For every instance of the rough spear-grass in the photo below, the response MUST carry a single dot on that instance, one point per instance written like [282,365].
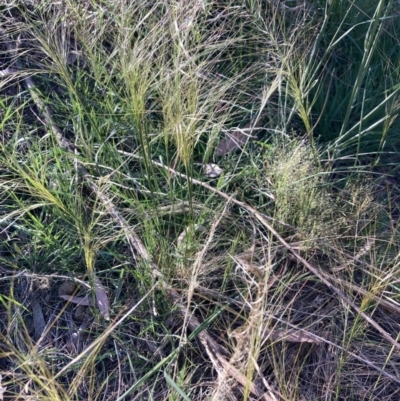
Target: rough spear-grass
[142,90]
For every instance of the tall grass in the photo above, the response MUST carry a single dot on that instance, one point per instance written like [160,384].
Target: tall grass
[277,279]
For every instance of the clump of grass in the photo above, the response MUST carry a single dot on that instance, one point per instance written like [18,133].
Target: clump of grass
[305,196]
[301,199]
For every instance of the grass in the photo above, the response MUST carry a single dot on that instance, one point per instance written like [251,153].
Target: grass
[276,280]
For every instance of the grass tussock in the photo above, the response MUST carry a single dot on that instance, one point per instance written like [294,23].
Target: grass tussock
[199,200]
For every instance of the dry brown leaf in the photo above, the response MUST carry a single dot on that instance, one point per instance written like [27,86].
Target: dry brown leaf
[38,319]
[233,140]
[101,298]
[84,301]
